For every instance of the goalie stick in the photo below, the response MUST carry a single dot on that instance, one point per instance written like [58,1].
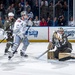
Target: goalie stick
[42,54]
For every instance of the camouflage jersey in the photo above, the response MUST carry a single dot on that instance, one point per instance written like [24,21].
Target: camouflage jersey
[57,41]
[8,26]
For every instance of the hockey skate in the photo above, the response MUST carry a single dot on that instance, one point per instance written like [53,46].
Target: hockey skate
[6,53]
[11,54]
[23,54]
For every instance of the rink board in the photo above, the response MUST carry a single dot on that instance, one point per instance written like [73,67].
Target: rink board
[44,34]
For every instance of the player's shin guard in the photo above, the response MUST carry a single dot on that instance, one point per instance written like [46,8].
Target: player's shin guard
[13,51]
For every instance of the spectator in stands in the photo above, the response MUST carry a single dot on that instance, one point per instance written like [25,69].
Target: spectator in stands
[41,2]
[2,10]
[61,21]
[31,3]
[50,10]
[12,1]
[19,8]
[6,18]
[36,9]
[11,8]
[27,6]
[8,9]
[36,21]
[49,21]
[71,22]
[65,10]
[70,6]
[1,24]
[43,22]
[58,9]
[30,22]
[44,11]
[22,3]
[55,21]
[46,2]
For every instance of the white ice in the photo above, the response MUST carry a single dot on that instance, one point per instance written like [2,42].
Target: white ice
[31,66]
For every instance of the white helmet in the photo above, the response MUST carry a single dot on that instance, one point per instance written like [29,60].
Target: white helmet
[10,14]
[23,13]
[60,29]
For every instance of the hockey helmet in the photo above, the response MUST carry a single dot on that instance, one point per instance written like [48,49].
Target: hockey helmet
[60,29]
[10,14]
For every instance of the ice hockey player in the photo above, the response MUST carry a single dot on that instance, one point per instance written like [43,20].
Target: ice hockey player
[8,27]
[60,40]
[19,35]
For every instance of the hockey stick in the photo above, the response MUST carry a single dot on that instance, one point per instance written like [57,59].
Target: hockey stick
[27,30]
[42,54]
[2,40]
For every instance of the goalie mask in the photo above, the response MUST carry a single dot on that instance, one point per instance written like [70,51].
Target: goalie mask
[60,30]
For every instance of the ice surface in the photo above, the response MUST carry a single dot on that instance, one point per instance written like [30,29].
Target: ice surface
[32,66]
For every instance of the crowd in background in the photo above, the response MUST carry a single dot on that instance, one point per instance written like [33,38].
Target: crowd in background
[40,12]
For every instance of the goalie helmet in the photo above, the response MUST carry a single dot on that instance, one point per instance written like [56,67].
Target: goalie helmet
[23,13]
[10,14]
[61,29]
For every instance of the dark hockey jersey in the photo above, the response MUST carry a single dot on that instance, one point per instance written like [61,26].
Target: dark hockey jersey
[61,43]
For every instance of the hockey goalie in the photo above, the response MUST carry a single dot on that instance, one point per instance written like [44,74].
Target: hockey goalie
[60,40]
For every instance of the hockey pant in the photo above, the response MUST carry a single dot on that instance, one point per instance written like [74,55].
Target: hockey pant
[17,41]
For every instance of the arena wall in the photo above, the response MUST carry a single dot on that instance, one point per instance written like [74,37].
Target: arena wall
[44,34]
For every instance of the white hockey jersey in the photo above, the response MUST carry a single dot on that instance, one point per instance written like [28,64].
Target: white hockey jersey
[20,28]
